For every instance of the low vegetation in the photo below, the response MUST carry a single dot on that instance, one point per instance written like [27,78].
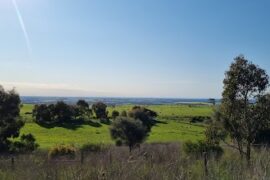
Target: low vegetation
[153,161]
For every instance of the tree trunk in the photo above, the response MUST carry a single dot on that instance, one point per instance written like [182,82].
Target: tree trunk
[248,152]
[240,149]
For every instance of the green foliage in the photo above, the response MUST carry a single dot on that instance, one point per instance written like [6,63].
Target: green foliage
[115,114]
[129,131]
[100,110]
[146,116]
[10,122]
[212,101]
[200,147]
[43,113]
[62,151]
[173,112]
[124,113]
[26,144]
[61,112]
[83,109]
[118,142]
[240,117]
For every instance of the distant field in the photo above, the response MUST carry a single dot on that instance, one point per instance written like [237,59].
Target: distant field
[174,128]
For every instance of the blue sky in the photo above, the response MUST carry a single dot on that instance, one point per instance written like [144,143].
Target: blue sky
[142,48]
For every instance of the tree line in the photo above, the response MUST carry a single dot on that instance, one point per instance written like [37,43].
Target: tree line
[65,113]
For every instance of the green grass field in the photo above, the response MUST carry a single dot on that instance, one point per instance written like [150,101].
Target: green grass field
[174,127]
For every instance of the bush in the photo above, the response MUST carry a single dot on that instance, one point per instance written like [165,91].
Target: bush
[26,144]
[62,151]
[115,114]
[197,149]
[123,114]
[130,131]
[118,142]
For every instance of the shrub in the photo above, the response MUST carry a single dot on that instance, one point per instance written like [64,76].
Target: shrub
[26,144]
[123,114]
[118,142]
[115,114]
[130,131]
[62,151]
[198,148]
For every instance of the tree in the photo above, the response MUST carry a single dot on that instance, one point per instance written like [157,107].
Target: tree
[26,144]
[129,131]
[115,114]
[262,115]
[43,113]
[145,115]
[242,112]
[100,110]
[10,122]
[63,112]
[124,113]
[212,101]
[84,110]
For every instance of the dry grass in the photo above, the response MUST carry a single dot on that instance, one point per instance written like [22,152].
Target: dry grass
[151,161]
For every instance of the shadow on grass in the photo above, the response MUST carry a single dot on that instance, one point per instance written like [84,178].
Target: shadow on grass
[93,123]
[157,122]
[105,121]
[160,122]
[72,124]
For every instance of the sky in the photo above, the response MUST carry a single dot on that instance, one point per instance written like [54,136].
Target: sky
[127,48]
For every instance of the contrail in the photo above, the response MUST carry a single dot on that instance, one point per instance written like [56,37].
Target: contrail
[28,44]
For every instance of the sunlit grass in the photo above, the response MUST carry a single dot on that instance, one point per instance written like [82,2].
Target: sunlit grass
[171,130]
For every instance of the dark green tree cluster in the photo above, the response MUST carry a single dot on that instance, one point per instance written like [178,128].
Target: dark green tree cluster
[244,113]
[11,123]
[65,113]
[61,112]
[100,110]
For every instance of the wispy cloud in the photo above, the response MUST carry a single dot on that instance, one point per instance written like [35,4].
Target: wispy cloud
[26,36]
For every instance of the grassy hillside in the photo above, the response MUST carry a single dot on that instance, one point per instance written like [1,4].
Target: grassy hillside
[173,127]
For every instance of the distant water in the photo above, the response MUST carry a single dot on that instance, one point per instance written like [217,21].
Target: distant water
[111,101]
